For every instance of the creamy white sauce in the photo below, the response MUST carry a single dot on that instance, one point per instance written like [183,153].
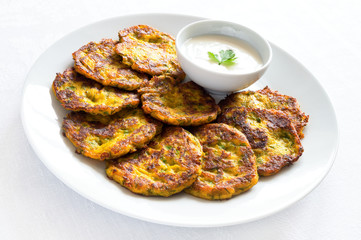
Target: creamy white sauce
[197,49]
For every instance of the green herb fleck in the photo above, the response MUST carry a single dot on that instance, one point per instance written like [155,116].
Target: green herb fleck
[222,146]
[259,160]
[225,57]
[71,88]
[163,159]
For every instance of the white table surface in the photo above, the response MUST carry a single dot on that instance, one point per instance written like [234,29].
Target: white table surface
[324,35]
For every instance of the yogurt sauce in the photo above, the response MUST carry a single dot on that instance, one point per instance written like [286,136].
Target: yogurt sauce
[197,49]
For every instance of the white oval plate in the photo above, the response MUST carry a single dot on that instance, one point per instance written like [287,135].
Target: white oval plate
[42,117]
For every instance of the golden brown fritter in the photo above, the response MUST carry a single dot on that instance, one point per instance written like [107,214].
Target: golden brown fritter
[271,135]
[78,93]
[184,104]
[148,50]
[108,137]
[268,99]
[100,62]
[170,163]
[228,163]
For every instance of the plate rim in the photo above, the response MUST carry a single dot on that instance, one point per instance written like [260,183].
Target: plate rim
[331,159]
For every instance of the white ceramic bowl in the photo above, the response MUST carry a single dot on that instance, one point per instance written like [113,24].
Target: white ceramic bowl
[216,81]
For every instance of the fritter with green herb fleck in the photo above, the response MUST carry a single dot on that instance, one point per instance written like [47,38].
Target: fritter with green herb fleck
[228,163]
[78,93]
[100,62]
[170,163]
[109,137]
[148,50]
[271,135]
[268,99]
[184,104]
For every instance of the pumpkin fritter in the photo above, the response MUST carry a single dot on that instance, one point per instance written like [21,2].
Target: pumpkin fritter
[78,93]
[268,99]
[271,135]
[100,62]
[170,163]
[228,163]
[148,50]
[184,104]
[108,137]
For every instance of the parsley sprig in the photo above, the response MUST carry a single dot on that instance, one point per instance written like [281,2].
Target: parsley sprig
[225,57]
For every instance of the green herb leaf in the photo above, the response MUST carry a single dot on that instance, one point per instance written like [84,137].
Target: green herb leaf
[225,57]
[214,57]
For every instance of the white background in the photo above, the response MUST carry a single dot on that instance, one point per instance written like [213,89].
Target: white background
[324,35]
